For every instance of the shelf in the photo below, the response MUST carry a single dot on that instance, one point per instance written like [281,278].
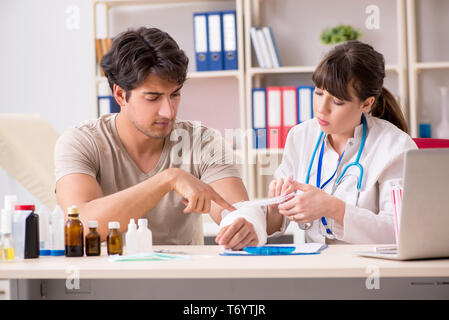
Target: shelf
[213,74]
[392,67]
[117,3]
[266,151]
[297,69]
[200,75]
[301,69]
[431,65]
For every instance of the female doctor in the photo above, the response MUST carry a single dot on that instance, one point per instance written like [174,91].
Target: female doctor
[346,159]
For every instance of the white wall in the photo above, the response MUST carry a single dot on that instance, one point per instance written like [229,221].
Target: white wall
[45,67]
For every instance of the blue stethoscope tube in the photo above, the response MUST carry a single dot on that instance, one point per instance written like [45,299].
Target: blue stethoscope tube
[356,163]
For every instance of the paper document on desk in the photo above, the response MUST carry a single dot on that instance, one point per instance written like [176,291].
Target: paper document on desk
[151,256]
[302,249]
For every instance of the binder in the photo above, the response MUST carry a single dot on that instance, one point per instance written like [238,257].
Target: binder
[305,103]
[289,111]
[274,122]
[106,101]
[257,48]
[230,40]
[259,118]
[272,49]
[264,49]
[215,41]
[200,40]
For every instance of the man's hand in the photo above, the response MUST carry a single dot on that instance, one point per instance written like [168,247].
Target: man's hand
[237,235]
[197,194]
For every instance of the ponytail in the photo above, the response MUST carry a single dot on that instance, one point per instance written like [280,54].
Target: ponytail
[386,107]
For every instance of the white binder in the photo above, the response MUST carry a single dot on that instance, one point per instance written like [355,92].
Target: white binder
[264,49]
[257,48]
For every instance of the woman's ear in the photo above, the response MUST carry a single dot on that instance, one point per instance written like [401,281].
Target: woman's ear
[367,104]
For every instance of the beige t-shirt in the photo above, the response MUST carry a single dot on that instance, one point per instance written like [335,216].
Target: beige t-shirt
[94,148]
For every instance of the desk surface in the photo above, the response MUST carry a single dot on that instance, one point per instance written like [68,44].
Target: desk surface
[337,261]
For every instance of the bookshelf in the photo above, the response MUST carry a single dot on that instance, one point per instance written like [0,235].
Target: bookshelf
[257,13]
[399,44]
[417,67]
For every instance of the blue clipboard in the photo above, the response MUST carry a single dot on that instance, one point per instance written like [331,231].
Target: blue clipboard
[270,251]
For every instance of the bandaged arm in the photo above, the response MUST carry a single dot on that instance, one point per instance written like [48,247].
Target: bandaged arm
[256,215]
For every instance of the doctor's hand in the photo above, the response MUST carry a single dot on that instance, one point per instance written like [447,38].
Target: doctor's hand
[311,205]
[237,235]
[280,187]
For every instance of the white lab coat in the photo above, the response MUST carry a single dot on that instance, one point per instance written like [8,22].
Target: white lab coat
[382,158]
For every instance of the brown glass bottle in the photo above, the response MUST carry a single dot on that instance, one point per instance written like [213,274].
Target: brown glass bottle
[114,239]
[73,234]
[93,243]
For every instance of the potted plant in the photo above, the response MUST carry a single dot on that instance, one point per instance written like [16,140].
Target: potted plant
[338,34]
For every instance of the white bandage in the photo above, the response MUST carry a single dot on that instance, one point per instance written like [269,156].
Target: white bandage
[251,213]
[255,213]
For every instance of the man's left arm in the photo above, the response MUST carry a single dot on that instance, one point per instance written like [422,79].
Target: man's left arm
[240,233]
[219,169]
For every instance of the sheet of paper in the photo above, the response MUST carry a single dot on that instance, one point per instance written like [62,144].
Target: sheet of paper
[151,256]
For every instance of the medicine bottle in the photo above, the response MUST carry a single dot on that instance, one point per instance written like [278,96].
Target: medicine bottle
[131,244]
[114,239]
[73,234]
[25,231]
[144,237]
[93,243]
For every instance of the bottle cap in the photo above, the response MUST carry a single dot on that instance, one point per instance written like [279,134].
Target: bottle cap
[142,222]
[10,202]
[132,224]
[25,207]
[92,224]
[114,225]
[73,210]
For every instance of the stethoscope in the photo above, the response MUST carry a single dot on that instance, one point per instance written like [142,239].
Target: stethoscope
[356,163]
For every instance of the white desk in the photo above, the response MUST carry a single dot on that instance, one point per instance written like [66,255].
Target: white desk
[335,273]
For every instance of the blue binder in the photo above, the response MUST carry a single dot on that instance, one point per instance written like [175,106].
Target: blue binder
[112,105]
[305,103]
[200,40]
[215,40]
[230,40]
[259,118]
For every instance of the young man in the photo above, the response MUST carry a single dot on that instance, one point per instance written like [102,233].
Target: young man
[143,162]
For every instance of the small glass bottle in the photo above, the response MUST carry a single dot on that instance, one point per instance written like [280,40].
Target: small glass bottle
[73,233]
[93,243]
[7,249]
[114,239]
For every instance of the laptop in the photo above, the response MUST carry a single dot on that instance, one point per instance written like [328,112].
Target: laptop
[424,216]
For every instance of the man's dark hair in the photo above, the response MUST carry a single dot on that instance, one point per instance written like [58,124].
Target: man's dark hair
[134,54]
